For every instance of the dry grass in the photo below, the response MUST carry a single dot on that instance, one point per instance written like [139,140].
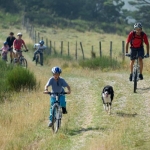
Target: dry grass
[23,121]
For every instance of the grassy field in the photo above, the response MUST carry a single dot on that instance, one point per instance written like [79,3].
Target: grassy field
[23,121]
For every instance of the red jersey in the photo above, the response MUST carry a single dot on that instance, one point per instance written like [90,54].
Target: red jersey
[18,44]
[137,39]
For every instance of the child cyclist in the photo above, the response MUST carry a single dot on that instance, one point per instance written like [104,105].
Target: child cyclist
[4,50]
[57,84]
[39,48]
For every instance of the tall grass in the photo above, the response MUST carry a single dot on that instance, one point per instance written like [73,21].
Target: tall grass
[102,63]
[21,79]
[15,79]
[4,70]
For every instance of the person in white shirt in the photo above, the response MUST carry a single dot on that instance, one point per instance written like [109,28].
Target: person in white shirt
[40,47]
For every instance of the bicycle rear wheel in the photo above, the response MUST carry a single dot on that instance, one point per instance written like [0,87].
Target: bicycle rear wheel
[23,62]
[37,59]
[135,81]
[55,120]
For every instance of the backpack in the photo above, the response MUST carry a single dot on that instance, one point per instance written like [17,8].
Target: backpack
[133,37]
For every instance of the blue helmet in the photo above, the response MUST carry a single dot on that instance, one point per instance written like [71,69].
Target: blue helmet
[56,70]
[5,43]
[41,42]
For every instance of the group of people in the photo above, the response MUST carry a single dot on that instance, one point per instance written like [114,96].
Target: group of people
[135,39]
[13,45]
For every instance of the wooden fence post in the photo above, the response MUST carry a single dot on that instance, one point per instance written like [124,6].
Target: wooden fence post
[111,49]
[54,48]
[68,48]
[61,47]
[100,49]
[35,37]
[38,36]
[50,47]
[76,51]
[82,49]
[123,50]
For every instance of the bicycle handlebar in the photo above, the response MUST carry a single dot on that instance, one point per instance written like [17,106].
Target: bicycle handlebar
[128,55]
[50,93]
[22,50]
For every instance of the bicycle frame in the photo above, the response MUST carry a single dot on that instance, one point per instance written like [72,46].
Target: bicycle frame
[39,58]
[20,60]
[56,112]
[136,72]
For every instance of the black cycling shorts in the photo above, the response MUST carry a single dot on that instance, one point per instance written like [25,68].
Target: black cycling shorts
[136,51]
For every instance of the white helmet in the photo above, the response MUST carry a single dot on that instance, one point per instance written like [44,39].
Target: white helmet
[19,34]
[138,25]
[56,70]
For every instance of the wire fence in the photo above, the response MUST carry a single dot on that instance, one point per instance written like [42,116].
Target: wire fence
[75,50]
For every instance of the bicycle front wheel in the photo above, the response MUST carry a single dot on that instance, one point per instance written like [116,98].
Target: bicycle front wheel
[135,81]
[23,62]
[55,120]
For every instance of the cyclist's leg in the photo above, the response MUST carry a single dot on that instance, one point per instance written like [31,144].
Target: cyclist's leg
[141,56]
[36,52]
[11,55]
[63,104]
[15,54]
[132,58]
[41,58]
[52,101]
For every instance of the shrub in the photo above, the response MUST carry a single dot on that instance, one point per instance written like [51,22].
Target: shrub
[20,79]
[100,62]
[4,69]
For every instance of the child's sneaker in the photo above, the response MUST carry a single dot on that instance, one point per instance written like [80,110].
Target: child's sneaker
[50,124]
[141,76]
[130,77]
[64,111]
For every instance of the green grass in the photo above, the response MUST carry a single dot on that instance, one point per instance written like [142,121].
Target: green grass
[21,79]
[101,62]
[86,126]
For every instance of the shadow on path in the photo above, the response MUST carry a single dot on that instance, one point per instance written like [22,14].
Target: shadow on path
[122,114]
[79,131]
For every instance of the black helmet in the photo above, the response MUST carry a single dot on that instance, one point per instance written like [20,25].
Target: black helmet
[41,42]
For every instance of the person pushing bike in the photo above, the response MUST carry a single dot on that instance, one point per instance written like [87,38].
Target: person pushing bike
[57,84]
[136,38]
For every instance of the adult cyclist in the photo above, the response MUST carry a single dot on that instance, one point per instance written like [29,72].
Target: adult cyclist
[17,45]
[136,39]
[39,48]
[10,39]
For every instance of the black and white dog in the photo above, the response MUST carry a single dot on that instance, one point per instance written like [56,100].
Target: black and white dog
[107,97]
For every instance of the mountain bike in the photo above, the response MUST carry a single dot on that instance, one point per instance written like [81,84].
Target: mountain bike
[136,72]
[56,112]
[21,61]
[39,59]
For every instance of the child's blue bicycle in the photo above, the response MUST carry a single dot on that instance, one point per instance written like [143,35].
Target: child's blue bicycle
[56,112]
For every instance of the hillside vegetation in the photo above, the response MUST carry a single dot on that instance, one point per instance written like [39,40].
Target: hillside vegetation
[23,121]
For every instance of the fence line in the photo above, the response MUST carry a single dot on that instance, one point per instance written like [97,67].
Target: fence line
[51,48]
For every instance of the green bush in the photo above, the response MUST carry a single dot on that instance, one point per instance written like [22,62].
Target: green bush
[20,79]
[4,69]
[100,62]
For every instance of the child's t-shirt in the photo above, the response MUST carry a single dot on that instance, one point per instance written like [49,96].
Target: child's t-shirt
[57,86]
